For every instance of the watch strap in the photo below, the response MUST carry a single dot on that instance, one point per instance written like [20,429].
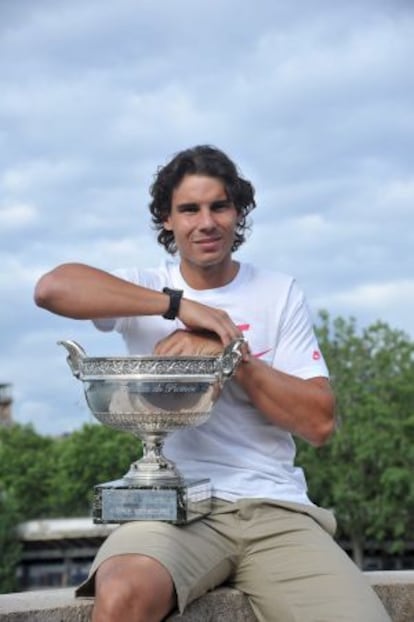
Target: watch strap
[174,306]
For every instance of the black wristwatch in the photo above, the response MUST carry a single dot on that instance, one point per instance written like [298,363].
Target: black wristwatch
[175,299]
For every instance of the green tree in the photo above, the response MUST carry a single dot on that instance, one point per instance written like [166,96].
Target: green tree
[365,473]
[26,460]
[10,547]
[89,456]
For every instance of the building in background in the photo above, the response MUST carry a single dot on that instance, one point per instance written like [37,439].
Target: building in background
[58,552]
[6,401]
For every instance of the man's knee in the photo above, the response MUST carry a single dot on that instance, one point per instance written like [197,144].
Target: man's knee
[132,587]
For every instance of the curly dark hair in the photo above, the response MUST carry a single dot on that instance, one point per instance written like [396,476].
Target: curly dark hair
[199,160]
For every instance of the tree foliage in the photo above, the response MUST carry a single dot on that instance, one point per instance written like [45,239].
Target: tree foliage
[27,461]
[92,455]
[51,477]
[10,547]
[365,473]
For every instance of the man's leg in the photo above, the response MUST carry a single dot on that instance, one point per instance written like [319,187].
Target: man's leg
[293,571]
[177,564]
[132,588]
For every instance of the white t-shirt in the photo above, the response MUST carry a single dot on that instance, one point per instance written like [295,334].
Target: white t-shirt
[240,450]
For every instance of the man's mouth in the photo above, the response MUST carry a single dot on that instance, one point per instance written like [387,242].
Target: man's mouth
[207,241]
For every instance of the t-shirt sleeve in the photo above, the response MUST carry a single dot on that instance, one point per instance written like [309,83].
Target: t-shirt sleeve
[297,350]
[105,324]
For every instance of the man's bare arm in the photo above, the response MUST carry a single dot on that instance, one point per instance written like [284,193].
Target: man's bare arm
[305,408]
[83,292]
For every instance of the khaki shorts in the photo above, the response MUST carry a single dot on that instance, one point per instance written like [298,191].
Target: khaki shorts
[281,555]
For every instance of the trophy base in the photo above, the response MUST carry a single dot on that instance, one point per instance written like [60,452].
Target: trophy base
[119,502]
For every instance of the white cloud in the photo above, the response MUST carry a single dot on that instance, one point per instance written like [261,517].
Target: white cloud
[15,273]
[391,302]
[171,108]
[375,295]
[17,216]
[397,197]
[36,173]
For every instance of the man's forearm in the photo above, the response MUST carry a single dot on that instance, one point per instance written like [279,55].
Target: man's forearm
[83,292]
[303,407]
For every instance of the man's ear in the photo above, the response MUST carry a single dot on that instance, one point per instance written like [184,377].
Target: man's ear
[167,223]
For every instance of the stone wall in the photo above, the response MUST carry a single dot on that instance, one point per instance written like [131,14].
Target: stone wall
[395,588]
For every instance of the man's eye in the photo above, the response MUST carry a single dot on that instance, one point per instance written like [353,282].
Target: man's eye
[222,205]
[188,208]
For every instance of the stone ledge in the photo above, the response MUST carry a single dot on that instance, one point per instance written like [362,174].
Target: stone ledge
[395,588]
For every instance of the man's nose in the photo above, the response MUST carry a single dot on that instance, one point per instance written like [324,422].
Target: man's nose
[206,218]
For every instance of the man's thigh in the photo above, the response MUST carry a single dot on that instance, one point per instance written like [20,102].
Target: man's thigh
[197,556]
[292,570]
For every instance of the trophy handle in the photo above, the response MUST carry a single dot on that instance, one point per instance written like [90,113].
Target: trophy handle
[75,356]
[231,357]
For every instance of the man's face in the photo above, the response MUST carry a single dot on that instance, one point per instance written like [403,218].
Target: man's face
[203,221]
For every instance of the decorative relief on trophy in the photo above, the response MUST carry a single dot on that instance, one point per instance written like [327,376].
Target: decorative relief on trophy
[152,396]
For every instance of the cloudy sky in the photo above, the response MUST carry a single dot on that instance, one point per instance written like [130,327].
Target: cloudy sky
[314,99]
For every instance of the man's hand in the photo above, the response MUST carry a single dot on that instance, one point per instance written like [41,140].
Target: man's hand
[189,343]
[195,315]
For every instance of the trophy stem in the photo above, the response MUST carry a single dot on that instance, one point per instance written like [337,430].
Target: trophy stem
[153,468]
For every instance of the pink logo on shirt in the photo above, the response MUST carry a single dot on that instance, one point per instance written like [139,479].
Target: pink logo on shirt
[316,355]
[243,327]
[258,355]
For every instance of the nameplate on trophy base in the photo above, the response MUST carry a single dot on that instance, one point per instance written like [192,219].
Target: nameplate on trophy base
[116,502]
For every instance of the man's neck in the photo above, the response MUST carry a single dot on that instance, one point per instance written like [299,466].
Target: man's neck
[209,277]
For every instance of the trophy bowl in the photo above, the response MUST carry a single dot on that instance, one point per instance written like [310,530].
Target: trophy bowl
[152,396]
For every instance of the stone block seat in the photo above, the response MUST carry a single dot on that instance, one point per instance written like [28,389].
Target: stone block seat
[395,588]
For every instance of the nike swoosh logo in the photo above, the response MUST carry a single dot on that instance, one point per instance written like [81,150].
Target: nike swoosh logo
[245,327]
[260,354]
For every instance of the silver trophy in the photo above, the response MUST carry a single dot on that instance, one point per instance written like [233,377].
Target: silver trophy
[152,396]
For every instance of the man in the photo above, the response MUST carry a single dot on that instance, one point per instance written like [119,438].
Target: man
[264,535]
